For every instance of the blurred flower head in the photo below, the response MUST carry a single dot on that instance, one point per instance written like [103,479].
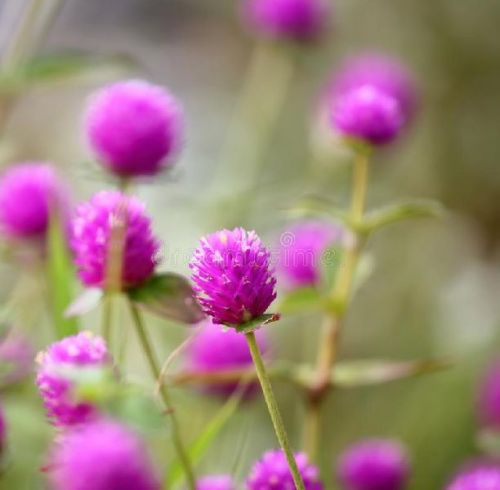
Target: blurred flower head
[101,455]
[271,472]
[374,464]
[215,482]
[135,128]
[16,358]
[83,350]
[92,227]
[300,20]
[302,246]
[232,276]
[218,349]
[29,192]
[478,476]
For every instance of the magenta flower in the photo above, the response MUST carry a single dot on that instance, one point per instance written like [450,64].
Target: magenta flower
[232,276]
[83,350]
[215,482]
[368,114]
[215,349]
[29,192]
[301,20]
[135,128]
[271,472]
[374,464]
[101,455]
[480,476]
[301,251]
[91,234]
[488,406]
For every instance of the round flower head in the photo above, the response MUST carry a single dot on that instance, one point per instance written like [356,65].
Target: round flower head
[91,234]
[101,455]
[381,72]
[79,351]
[368,114]
[215,482]
[271,472]
[232,276]
[29,192]
[488,404]
[134,127]
[215,349]
[301,251]
[292,19]
[375,464]
[484,476]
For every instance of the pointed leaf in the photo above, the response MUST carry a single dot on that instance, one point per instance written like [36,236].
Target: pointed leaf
[169,296]
[256,323]
[88,300]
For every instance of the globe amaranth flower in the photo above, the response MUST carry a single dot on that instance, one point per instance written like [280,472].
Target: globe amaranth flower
[300,20]
[488,400]
[101,455]
[374,464]
[302,247]
[232,276]
[83,350]
[91,230]
[479,476]
[216,349]
[215,482]
[135,128]
[29,192]
[272,472]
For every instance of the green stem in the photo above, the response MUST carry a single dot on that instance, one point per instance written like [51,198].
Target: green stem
[107,319]
[272,406]
[165,395]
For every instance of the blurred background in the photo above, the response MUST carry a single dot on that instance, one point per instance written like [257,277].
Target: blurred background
[435,285]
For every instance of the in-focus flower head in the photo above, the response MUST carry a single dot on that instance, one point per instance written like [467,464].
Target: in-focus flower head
[232,276]
[488,403]
[29,192]
[83,350]
[300,20]
[101,455]
[271,472]
[479,476]
[302,246]
[374,464]
[134,127]
[215,482]
[217,349]
[92,227]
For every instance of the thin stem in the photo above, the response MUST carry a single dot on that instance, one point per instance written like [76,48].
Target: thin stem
[107,318]
[165,395]
[273,409]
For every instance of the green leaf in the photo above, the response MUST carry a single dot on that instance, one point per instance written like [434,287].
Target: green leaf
[300,300]
[256,323]
[394,213]
[61,279]
[207,437]
[88,300]
[314,206]
[364,270]
[169,296]
[350,374]
[331,261]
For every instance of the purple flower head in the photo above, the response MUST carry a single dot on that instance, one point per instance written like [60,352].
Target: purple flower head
[216,349]
[271,472]
[301,20]
[382,72]
[29,192]
[83,350]
[374,464]
[368,114]
[301,251]
[485,476]
[232,276]
[101,455]
[488,403]
[215,482]
[134,127]
[91,236]
[16,358]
